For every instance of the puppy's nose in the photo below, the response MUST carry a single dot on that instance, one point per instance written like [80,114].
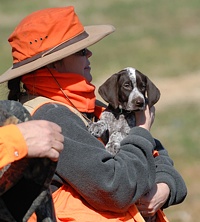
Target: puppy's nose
[139,102]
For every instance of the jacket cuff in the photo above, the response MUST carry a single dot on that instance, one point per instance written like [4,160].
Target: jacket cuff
[12,145]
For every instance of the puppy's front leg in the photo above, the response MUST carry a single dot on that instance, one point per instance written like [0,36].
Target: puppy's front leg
[98,128]
[113,145]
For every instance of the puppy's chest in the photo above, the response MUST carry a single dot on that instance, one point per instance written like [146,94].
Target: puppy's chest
[120,122]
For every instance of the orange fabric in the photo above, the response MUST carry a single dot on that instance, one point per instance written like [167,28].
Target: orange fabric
[79,91]
[84,214]
[98,111]
[70,206]
[33,218]
[161,217]
[155,153]
[42,30]
[13,147]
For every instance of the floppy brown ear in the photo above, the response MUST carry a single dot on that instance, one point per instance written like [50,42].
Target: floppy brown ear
[109,90]
[153,93]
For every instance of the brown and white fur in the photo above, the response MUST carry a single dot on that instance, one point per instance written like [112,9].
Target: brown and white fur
[125,92]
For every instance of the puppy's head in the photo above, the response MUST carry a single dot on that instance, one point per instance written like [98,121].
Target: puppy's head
[129,89]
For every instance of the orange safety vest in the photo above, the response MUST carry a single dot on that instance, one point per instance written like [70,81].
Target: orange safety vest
[70,206]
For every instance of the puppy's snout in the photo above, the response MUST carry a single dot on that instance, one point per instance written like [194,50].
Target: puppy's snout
[139,102]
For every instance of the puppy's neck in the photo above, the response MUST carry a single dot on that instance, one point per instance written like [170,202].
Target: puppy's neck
[118,111]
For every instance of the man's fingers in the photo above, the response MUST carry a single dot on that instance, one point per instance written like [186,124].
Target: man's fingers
[53,154]
[59,137]
[57,145]
[55,127]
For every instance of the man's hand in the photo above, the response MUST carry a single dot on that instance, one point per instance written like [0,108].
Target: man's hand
[145,118]
[43,138]
[151,202]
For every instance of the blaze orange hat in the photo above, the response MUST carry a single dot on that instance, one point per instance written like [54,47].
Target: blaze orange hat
[49,35]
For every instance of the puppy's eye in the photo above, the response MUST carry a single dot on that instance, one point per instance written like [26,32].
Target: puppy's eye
[127,85]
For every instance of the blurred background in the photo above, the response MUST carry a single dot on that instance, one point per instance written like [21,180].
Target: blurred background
[161,39]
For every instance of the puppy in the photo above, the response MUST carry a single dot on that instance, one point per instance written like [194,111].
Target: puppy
[125,92]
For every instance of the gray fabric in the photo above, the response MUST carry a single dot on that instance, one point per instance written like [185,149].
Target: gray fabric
[166,173]
[107,182]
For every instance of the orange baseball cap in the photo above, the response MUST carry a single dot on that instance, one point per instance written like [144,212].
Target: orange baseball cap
[48,35]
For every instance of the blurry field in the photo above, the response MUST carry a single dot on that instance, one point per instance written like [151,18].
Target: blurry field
[160,38]
[178,129]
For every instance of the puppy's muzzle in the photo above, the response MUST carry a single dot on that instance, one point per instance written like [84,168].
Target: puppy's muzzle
[139,102]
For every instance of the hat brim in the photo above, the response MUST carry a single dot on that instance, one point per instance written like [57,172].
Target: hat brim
[95,34]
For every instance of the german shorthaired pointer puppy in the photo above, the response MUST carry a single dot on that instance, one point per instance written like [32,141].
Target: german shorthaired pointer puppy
[125,92]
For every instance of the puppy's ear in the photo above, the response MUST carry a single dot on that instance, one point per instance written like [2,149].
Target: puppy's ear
[109,90]
[153,93]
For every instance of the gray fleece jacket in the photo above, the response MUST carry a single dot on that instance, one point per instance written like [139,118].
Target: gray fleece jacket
[107,182]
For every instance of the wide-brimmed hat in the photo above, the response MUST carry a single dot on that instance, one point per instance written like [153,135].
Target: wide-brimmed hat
[47,36]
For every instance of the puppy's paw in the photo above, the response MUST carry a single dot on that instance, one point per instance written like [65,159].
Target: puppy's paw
[97,129]
[113,145]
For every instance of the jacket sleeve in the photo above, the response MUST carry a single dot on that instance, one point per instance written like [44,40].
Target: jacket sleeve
[12,145]
[105,182]
[166,173]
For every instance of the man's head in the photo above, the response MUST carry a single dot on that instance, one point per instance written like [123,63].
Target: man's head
[49,35]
